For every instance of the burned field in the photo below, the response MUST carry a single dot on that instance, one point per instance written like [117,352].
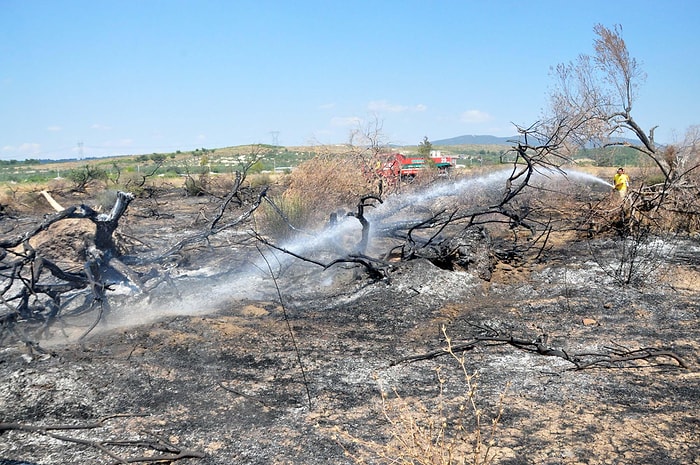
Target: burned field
[319,366]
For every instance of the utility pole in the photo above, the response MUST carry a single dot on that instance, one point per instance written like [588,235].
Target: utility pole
[275,143]
[80,150]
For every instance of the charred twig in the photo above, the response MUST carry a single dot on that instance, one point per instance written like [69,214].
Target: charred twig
[242,394]
[375,272]
[620,358]
[232,194]
[214,229]
[282,215]
[101,304]
[145,176]
[462,347]
[410,241]
[170,453]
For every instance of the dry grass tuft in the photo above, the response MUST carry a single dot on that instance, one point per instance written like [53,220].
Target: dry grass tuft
[446,430]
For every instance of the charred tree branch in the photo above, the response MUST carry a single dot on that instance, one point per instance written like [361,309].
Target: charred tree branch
[168,452]
[614,358]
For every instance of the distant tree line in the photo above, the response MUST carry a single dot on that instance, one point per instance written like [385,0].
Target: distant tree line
[28,161]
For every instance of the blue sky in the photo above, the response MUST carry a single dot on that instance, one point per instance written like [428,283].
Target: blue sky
[129,77]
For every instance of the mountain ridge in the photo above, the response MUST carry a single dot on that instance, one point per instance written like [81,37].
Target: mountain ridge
[480,139]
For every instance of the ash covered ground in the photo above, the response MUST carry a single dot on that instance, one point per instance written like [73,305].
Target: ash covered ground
[237,376]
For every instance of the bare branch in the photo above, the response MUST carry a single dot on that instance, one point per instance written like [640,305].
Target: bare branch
[158,451]
[614,358]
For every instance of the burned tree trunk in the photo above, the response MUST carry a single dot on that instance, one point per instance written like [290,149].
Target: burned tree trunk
[360,215]
[34,288]
[105,225]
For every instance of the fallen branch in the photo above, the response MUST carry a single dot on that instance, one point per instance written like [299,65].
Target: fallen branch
[168,452]
[613,358]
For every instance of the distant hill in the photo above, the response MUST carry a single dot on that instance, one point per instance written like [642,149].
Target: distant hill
[476,140]
[493,140]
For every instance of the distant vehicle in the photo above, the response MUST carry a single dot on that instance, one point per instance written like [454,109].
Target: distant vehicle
[399,166]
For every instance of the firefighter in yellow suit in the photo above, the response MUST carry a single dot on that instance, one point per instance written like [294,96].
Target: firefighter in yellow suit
[621,182]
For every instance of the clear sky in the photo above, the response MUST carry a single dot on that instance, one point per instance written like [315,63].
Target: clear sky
[108,77]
